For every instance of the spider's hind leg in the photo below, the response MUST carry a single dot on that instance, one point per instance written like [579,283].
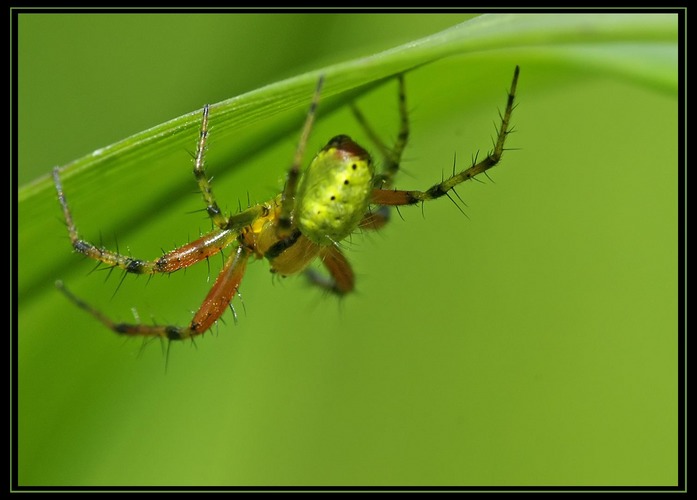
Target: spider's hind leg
[341,279]
[214,305]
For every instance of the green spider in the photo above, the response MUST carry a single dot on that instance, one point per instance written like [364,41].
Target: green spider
[339,193]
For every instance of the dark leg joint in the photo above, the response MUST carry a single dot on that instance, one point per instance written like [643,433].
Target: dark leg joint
[213,210]
[123,328]
[173,333]
[134,266]
[82,246]
[436,191]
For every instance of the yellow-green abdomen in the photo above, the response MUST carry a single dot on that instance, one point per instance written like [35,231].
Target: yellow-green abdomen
[334,192]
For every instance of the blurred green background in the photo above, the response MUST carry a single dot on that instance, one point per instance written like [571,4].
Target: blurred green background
[532,342]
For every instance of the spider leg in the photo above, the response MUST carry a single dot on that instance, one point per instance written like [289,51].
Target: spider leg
[397,197]
[203,181]
[341,279]
[283,228]
[214,305]
[392,156]
[179,258]
[222,222]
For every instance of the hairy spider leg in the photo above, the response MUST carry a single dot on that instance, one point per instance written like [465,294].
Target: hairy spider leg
[204,184]
[234,222]
[392,157]
[179,258]
[399,197]
[214,305]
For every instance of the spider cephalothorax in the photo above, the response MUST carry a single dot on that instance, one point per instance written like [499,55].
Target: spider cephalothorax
[339,192]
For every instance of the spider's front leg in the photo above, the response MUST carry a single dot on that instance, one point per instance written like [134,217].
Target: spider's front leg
[221,221]
[204,184]
[214,305]
[179,258]
[399,197]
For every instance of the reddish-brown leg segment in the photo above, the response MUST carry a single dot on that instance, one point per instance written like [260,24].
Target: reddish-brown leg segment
[224,289]
[341,279]
[214,305]
[179,258]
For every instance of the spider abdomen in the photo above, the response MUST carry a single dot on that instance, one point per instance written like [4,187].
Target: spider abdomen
[334,192]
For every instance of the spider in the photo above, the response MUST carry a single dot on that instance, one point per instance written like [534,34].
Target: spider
[339,192]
